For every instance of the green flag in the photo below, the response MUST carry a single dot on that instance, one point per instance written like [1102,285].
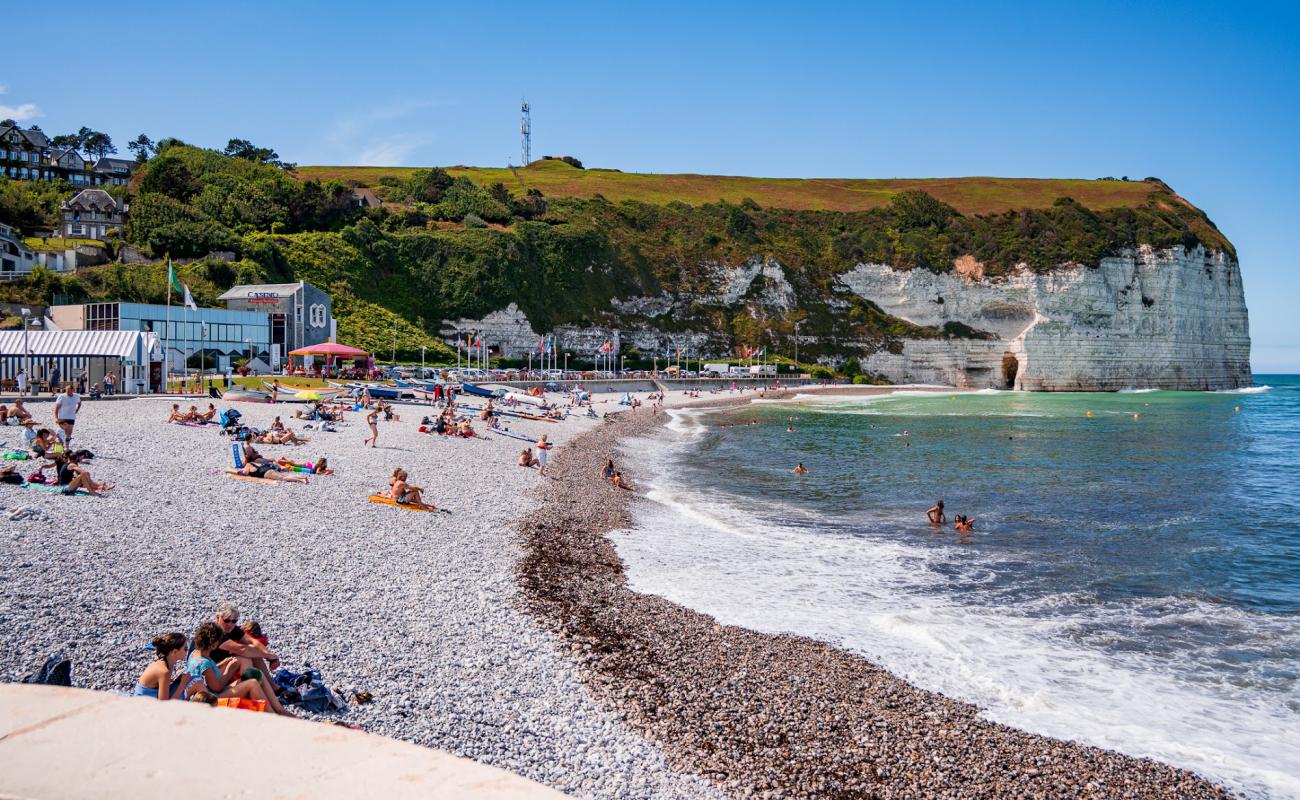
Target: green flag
[171,276]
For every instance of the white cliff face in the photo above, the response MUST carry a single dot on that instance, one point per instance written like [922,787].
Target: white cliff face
[1172,319]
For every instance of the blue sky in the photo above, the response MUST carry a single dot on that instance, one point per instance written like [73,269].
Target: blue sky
[1205,96]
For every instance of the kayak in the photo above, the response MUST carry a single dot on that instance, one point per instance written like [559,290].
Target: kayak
[479,391]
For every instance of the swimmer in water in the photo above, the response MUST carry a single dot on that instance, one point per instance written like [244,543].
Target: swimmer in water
[789,429]
[800,469]
[963,524]
[936,515]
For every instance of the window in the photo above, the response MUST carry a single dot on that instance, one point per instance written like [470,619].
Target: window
[78,230]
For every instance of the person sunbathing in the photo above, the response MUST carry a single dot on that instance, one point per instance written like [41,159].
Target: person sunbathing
[318,467]
[277,425]
[283,436]
[206,416]
[203,672]
[72,476]
[178,416]
[465,429]
[156,680]
[406,493]
[526,458]
[19,411]
[258,466]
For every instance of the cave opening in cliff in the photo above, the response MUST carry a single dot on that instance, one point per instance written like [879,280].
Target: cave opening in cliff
[1010,366]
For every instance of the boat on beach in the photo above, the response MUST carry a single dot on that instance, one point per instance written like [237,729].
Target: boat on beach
[246,396]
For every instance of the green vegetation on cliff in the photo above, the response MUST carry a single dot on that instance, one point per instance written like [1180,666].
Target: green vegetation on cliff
[458,244]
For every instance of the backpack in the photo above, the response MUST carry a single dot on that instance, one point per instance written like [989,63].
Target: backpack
[56,671]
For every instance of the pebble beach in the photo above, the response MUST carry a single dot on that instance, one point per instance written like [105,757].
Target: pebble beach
[419,609]
[502,631]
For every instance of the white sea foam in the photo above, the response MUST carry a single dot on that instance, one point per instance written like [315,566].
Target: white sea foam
[1137,391]
[1244,390]
[1033,665]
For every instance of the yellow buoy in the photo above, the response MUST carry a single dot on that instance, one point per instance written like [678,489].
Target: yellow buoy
[1135,416]
[1237,410]
[1090,413]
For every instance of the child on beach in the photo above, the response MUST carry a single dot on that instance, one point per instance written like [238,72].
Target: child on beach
[156,680]
[203,673]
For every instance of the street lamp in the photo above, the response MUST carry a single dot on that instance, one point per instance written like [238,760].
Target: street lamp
[422,349]
[566,365]
[394,346]
[27,350]
[622,365]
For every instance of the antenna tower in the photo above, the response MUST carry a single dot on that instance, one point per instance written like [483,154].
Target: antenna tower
[526,133]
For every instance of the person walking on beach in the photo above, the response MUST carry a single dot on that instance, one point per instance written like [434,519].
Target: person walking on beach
[543,451]
[22,382]
[936,515]
[66,406]
[372,419]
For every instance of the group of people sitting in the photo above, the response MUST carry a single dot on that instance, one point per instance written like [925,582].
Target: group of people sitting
[257,465]
[193,416]
[223,659]
[401,490]
[322,411]
[609,473]
[446,423]
[69,471]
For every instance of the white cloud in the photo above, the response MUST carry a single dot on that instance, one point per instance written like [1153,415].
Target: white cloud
[374,137]
[21,112]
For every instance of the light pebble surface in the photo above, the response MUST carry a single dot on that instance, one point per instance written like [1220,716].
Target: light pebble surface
[418,609]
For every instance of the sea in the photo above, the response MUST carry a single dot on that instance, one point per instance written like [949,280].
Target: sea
[1132,581]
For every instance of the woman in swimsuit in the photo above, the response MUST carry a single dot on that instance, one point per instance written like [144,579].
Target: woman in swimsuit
[372,419]
[72,476]
[607,472]
[318,467]
[203,672]
[406,493]
[156,680]
[257,466]
[935,514]
[177,416]
[206,416]
[963,524]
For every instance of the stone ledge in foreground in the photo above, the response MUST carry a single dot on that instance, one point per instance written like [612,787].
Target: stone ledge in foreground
[58,742]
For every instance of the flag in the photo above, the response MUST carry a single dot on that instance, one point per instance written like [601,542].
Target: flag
[171,276]
[189,299]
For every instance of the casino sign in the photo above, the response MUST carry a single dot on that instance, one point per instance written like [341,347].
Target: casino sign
[264,298]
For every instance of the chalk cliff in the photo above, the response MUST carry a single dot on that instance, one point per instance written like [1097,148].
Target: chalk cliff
[1172,319]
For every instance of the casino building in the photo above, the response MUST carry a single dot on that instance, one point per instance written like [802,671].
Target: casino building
[299,314]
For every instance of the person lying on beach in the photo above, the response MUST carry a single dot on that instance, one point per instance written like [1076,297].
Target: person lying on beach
[203,672]
[407,494]
[283,436]
[800,469]
[240,654]
[526,458]
[619,482]
[318,467]
[258,466]
[206,416]
[177,416]
[963,524]
[156,680]
[72,476]
[935,514]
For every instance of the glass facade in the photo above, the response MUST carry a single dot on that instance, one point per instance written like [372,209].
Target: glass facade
[228,332]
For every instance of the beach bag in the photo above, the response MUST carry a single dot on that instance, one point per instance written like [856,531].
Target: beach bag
[56,671]
[36,477]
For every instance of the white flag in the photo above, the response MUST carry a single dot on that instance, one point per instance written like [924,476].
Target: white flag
[189,299]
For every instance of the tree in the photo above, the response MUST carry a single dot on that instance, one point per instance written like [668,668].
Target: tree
[168,175]
[65,140]
[143,147]
[242,148]
[98,144]
[428,185]
[7,123]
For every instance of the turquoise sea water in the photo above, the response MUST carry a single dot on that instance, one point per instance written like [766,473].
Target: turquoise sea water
[1133,581]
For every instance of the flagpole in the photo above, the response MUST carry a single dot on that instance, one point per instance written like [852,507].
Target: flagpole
[167,346]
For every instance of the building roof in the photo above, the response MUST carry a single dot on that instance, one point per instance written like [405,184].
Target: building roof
[35,137]
[60,152]
[242,292]
[97,199]
[119,165]
[112,344]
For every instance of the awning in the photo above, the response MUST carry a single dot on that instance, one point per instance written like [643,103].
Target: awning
[330,349]
[106,344]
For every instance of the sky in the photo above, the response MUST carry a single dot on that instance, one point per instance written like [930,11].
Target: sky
[1205,96]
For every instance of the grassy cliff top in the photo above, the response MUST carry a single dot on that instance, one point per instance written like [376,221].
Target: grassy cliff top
[967,195]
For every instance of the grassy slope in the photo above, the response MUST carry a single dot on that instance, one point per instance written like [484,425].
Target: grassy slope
[967,195]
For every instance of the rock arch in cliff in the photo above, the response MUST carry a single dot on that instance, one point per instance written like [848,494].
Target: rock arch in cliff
[1010,368]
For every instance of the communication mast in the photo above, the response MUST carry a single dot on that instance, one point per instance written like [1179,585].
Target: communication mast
[526,133]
